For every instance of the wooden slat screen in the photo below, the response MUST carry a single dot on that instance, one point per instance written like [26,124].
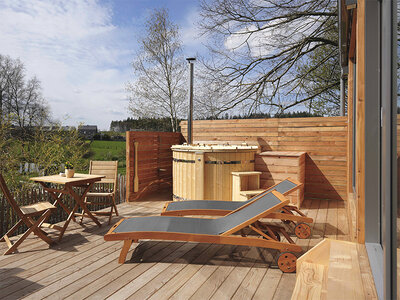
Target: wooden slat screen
[154,160]
[324,140]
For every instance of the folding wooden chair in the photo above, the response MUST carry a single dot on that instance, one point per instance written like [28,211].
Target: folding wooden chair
[41,210]
[110,170]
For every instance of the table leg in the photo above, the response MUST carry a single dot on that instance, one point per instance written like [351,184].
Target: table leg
[70,216]
[58,201]
[81,203]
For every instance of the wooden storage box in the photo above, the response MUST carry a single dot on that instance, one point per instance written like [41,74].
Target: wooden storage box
[279,165]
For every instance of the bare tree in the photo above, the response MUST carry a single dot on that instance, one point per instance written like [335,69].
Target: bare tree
[268,51]
[210,93]
[159,90]
[21,100]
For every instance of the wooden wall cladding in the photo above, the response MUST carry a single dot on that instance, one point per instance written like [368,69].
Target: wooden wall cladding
[154,161]
[324,140]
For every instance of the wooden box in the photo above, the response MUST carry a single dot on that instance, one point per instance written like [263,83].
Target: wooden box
[279,165]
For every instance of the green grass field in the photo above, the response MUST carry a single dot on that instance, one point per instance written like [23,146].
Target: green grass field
[109,150]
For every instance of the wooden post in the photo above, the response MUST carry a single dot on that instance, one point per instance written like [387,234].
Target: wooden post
[129,177]
[136,180]
[360,122]
[350,97]
[199,175]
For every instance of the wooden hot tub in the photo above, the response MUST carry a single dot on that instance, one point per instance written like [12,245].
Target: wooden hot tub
[203,172]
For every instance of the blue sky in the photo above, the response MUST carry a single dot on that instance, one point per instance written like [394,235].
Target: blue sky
[81,50]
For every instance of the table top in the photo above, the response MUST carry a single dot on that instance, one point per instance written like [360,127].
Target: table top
[77,179]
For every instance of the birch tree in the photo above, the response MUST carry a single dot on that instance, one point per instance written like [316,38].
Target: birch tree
[159,66]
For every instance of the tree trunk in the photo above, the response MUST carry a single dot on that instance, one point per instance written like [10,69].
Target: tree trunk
[173,124]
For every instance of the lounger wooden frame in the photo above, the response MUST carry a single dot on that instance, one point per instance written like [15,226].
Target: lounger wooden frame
[225,238]
[286,214]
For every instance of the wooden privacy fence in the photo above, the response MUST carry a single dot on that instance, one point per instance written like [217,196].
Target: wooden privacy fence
[154,161]
[35,194]
[324,140]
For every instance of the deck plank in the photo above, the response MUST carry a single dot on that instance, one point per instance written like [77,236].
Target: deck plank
[343,225]
[331,220]
[152,271]
[176,282]
[77,243]
[75,285]
[234,280]
[268,285]
[176,266]
[250,282]
[202,275]
[84,266]
[127,272]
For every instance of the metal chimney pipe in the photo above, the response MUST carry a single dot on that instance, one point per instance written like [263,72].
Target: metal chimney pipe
[191,61]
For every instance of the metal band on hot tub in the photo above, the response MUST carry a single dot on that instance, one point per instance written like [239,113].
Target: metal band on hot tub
[216,162]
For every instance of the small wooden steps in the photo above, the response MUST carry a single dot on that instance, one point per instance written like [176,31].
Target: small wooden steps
[330,270]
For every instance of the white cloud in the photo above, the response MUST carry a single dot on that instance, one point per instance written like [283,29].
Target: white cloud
[80,57]
[192,39]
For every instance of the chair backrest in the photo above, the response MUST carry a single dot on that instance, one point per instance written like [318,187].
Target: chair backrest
[250,212]
[109,169]
[284,187]
[9,197]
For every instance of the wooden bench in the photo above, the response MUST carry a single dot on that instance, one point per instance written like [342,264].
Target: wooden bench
[330,270]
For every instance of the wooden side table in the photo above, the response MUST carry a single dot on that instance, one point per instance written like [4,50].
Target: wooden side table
[244,183]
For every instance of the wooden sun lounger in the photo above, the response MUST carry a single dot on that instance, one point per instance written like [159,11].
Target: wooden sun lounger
[288,213]
[228,229]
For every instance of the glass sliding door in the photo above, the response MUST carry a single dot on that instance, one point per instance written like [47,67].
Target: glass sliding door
[381,159]
[398,153]
[389,156]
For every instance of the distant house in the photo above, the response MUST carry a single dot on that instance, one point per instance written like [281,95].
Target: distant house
[87,131]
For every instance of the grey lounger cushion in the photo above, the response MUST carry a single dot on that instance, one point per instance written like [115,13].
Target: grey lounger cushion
[282,187]
[199,225]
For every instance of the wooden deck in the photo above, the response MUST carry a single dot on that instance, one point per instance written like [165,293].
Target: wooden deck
[84,266]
